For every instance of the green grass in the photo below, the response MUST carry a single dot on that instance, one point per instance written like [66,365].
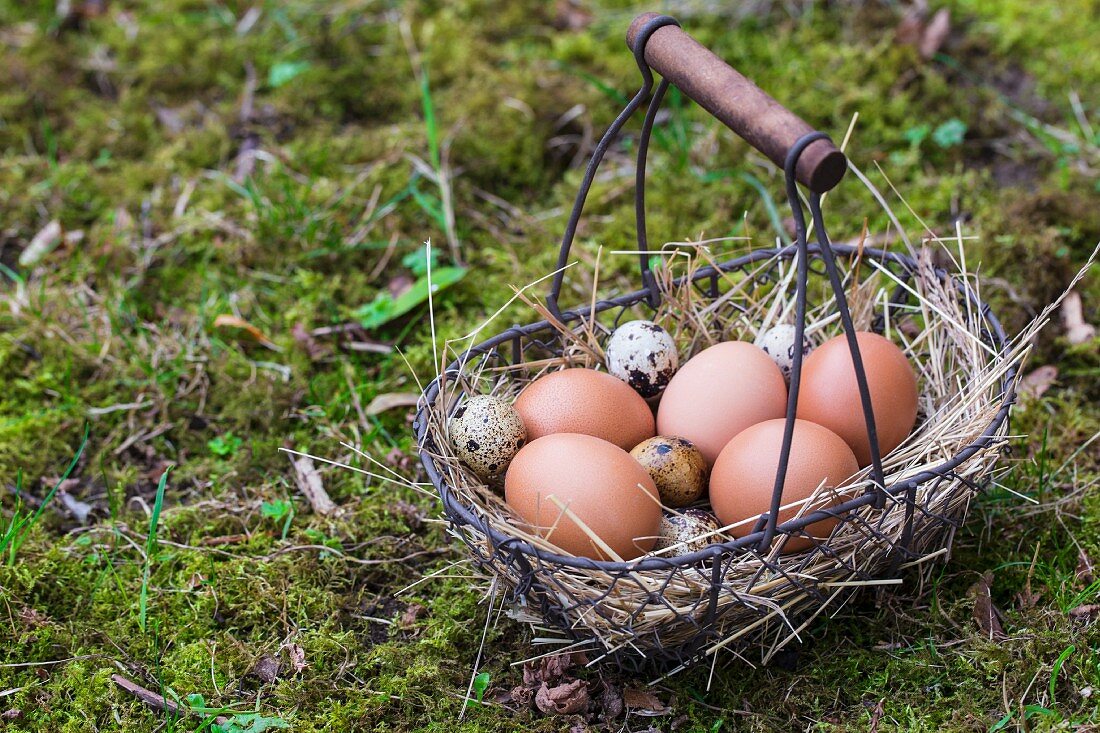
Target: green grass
[127,127]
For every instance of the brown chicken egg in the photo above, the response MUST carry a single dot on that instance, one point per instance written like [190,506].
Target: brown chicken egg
[564,477]
[676,467]
[743,477]
[585,401]
[718,393]
[829,394]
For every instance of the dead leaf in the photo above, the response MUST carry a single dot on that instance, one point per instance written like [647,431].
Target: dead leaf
[245,329]
[266,669]
[309,483]
[1027,599]
[524,696]
[911,26]
[1087,610]
[644,703]
[935,33]
[410,615]
[11,714]
[611,702]
[548,670]
[1038,381]
[1078,331]
[570,15]
[399,285]
[390,401]
[876,716]
[314,349]
[986,614]
[565,699]
[297,657]
[41,244]
[409,512]
[32,618]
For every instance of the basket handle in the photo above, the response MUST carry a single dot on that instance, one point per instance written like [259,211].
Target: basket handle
[738,103]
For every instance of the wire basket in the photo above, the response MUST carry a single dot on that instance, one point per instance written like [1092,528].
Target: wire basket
[898,514]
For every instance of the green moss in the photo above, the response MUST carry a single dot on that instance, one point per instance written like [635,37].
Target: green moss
[118,330]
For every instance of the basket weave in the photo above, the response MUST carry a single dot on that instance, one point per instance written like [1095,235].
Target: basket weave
[670,611]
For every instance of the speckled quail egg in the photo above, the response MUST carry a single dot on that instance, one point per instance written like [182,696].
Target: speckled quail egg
[778,343]
[685,528]
[486,434]
[643,355]
[676,466]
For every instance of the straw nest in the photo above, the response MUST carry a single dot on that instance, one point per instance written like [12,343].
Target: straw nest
[673,612]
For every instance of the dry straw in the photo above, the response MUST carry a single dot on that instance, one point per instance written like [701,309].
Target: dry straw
[750,603]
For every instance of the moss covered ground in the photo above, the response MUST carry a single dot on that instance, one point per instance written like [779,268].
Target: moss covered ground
[279,163]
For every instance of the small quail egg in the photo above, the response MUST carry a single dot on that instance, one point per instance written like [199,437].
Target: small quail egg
[778,343]
[685,528]
[643,355]
[676,466]
[486,434]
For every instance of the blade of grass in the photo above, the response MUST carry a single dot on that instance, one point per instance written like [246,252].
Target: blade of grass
[18,528]
[150,548]
[1057,669]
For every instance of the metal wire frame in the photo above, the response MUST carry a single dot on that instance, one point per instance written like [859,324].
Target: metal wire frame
[514,337]
[530,564]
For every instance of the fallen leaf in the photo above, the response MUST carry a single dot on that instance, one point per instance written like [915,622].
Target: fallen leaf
[32,618]
[410,615]
[1087,610]
[935,33]
[876,716]
[986,614]
[399,285]
[644,703]
[390,401]
[41,244]
[410,513]
[399,459]
[314,349]
[1027,599]
[911,26]
[611,702]
[524,696]
[1038,381]
[1078,331]
[266,668]
[547,670]
[245,329]
[12,714]
[297,657]
[570,15]
[565,699]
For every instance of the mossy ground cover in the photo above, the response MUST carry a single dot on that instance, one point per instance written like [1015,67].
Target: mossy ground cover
[279,163]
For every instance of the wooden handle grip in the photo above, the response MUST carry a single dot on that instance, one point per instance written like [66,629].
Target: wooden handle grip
[742,106]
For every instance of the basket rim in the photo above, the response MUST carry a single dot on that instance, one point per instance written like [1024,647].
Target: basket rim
[743,545]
